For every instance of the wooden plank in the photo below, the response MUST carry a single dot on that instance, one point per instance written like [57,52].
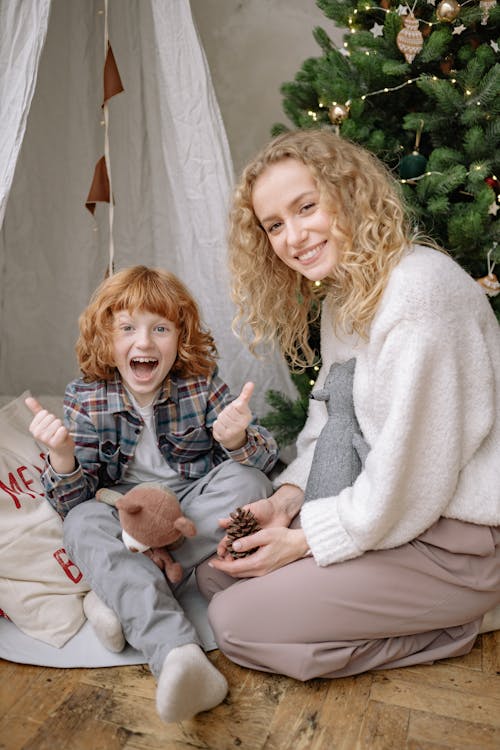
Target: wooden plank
[296,722]
[341,715]
[15,680]
[79,724]
[15,733]
[446,676]
[384,727]
[412,745]
[36,693]
[134,680]
[243,719]
[453,702]
[490,652]
[427,727]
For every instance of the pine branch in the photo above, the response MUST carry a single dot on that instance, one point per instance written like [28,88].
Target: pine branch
[286,418]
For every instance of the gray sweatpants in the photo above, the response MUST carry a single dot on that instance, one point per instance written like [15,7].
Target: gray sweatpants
[390,608]
[131,584]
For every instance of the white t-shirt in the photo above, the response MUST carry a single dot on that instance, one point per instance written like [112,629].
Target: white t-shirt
[148,464]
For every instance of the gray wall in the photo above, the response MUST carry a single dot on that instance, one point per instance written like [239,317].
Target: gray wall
[252,47]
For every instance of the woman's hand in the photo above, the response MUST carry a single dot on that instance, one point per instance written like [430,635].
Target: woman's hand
[278,545]
[230,427]
[49,430]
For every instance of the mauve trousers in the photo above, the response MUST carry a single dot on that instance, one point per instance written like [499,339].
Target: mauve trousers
[413,604]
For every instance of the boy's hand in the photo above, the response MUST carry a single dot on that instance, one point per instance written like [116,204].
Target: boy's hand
[49,430]
[230,428]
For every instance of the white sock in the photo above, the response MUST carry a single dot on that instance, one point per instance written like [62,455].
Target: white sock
[106,624]
[188,684]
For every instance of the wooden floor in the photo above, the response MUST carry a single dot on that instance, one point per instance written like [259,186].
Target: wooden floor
[451,704]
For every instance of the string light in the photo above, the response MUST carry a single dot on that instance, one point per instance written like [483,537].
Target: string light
[394,88]
[420,177]
[386,90]
[377,8]
[475,168]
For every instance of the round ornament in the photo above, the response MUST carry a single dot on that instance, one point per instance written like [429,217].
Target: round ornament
[410,40]
[412,165]
[338,113]
[490,284]
[493,183]
[447,10]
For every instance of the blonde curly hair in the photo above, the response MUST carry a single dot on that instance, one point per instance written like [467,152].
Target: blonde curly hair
[275,302]
[142,288]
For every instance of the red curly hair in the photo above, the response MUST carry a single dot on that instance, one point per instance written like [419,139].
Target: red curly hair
[156,291]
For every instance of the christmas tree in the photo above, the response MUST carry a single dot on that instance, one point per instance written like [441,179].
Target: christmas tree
[419,86]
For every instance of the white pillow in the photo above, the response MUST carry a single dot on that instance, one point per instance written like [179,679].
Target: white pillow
[41,590]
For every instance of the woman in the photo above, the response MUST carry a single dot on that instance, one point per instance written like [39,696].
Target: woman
[399,567]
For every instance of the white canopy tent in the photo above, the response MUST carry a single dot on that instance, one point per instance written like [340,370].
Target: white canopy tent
[171,179]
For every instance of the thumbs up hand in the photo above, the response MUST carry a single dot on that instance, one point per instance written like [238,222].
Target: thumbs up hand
[49,430]
[230,427]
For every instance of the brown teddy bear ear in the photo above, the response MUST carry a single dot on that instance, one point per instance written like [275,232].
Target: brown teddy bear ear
[128,507]
[185,526]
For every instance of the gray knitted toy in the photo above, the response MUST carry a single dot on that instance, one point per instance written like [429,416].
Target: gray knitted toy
[341,449]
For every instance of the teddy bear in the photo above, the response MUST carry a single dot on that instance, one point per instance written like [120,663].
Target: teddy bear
[341,450]
[152,522]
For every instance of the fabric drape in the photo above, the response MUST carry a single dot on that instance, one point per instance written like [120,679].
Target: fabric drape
[172,178]
[23,28]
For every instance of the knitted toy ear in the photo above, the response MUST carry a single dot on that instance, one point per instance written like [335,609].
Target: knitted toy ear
[185,526]
[128,506]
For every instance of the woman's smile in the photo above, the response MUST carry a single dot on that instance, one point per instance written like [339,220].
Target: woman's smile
[301,231]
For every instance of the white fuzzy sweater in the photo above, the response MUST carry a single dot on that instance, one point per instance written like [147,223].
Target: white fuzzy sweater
[427,398]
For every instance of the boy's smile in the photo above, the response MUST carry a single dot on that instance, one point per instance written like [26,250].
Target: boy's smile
[145,350]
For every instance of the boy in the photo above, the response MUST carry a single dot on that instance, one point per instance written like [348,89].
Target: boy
[150,406]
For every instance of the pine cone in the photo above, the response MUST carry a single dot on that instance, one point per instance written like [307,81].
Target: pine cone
[243,523]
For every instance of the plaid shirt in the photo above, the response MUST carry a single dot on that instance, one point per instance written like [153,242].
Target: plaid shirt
[106,430]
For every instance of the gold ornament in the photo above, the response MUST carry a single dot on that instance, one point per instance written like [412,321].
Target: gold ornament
[490,284]
[447,10]
[410,40]
[486,6]
[338,113]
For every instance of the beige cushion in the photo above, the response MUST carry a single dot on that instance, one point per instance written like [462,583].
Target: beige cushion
[41,590]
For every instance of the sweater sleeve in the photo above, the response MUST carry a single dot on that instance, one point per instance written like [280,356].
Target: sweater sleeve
[431,403]
[64,492]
